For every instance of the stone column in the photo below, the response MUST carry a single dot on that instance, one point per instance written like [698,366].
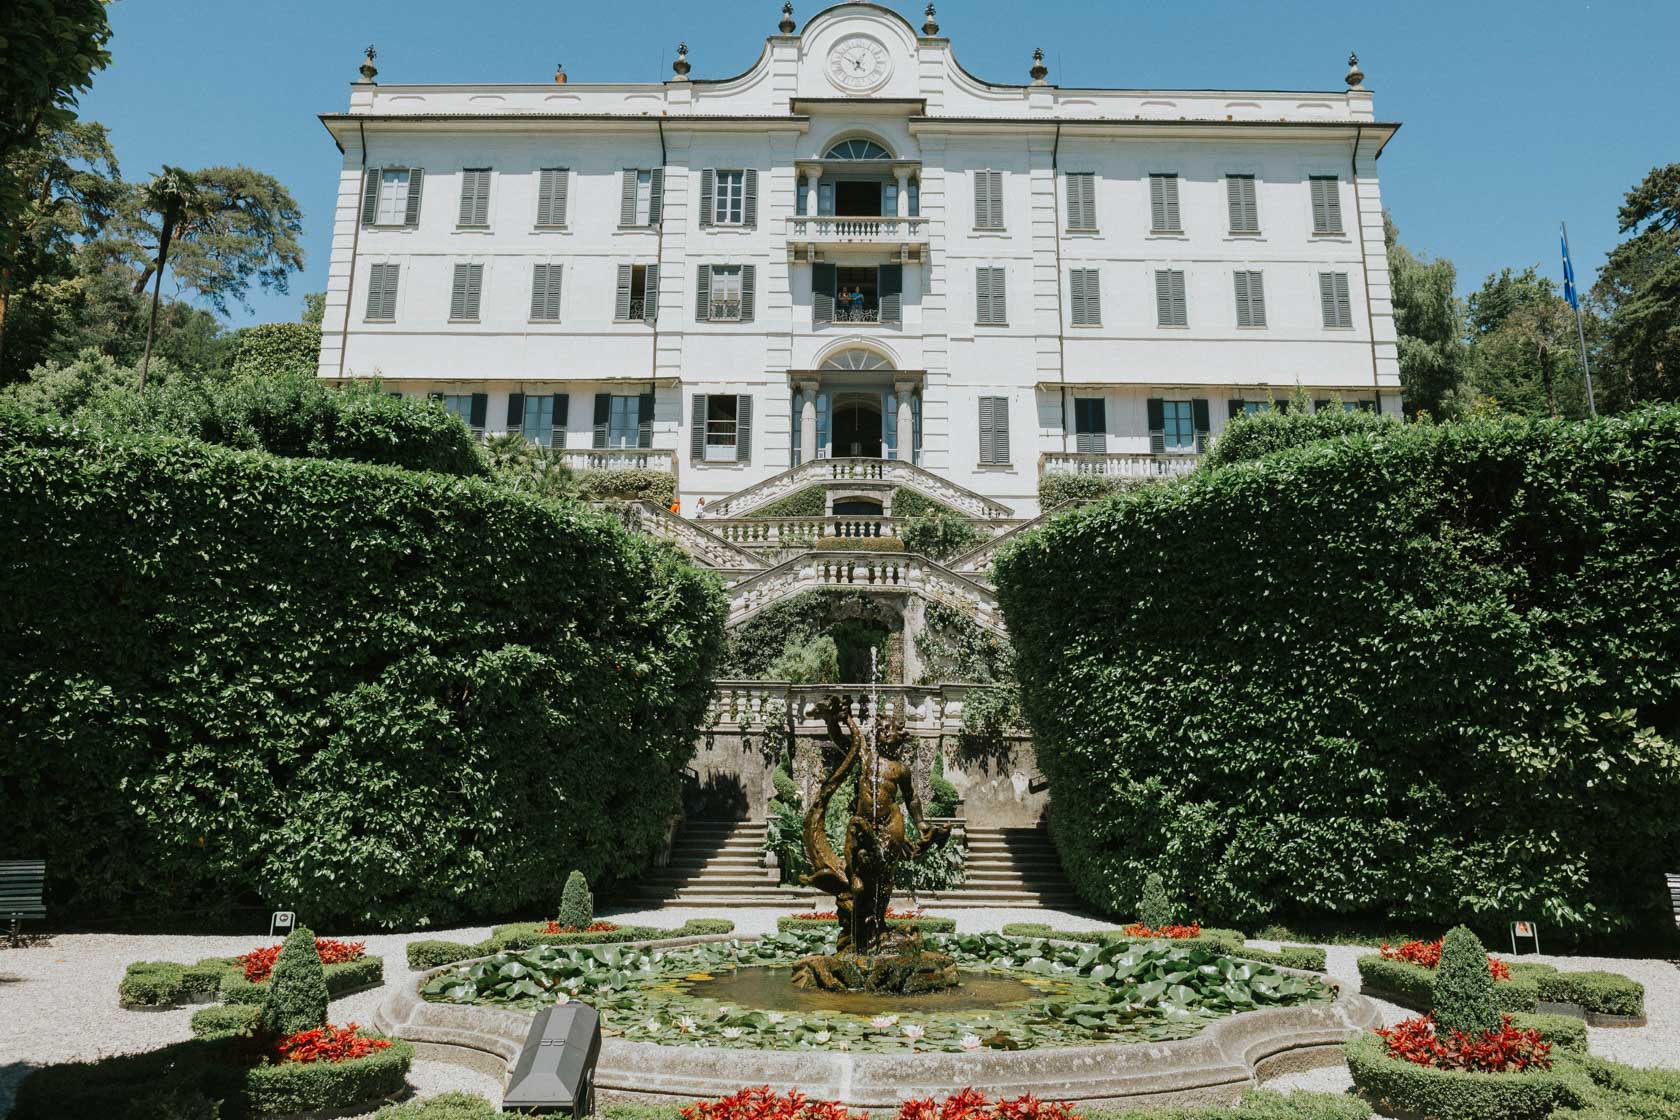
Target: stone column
[808,422]
[813,178]
[906,421]
[903,178]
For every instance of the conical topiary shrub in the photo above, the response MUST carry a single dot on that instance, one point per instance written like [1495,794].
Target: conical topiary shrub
[1156,909]
[577,905]
[297,991]
[1464,985]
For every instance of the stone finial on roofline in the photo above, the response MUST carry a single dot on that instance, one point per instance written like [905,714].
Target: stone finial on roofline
[787,25]
[1039,70]
[1355,75]
[559,73]
[368,70]
[931,27]
[681,65]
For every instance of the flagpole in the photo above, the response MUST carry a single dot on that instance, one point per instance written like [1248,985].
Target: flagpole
[1580,331]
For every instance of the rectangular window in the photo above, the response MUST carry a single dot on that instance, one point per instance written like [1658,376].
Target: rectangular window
[915,198]
[1334,297]
[727,205]
[642,197]
[1179,427]
[1085,297]
[382,293]
[1326,204]
[624,424]
[464,293]
[545,293]
[994,431]
[552,183]
[638,293]
[991,297]
[392,208]
[537,422]
[1251,299]
[1090,425]
[726,293]
[475,198]
[1163,204]
[988,200]
[470,407]
[1240,197]
[1170,308]
[1082,202]
[721,428]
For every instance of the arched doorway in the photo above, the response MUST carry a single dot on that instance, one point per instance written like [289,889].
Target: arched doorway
[857,425]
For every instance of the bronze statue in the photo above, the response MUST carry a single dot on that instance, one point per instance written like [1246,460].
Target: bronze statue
[875,840]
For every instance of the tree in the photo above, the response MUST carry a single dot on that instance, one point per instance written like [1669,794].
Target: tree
[1430,324]
[297,996]
[314,308]
[1524,352]
[1464,985]
[1640,288]
[174,196]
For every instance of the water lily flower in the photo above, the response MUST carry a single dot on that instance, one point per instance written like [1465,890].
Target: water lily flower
[686,1025]
[843,1045]
[775,1017]
[820,1037]
[561,999]
[651,1026]
[732,1032]
[884,1022]
[913,1032]
[970,1042]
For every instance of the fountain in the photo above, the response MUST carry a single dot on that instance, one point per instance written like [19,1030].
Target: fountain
[870,957]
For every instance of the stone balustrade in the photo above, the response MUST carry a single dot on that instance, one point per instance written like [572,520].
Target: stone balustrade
[619,459]
[847,230]
[758,705]
[1117,465]
[700,543]
[871,572]
[796,532]
[890,472]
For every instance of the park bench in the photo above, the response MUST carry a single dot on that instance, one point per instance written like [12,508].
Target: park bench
[22,882]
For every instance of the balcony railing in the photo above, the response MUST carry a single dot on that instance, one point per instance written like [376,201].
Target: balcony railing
[1118,465]
[857,314]
[620,459]
[726,310]
[638,309]
[828,230]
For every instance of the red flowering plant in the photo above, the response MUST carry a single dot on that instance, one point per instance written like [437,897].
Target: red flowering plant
[762,1104]
[1165,933]
[593,927]
[893,915]
[968,1104]
[327,1043]
[259,963]
[1427,954]
[1505,1050]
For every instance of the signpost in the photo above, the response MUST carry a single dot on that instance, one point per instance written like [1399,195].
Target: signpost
[1530,930]
[282,923]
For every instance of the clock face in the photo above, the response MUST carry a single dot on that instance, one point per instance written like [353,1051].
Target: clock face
[859,64]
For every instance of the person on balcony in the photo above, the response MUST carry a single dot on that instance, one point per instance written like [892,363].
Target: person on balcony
[857,304]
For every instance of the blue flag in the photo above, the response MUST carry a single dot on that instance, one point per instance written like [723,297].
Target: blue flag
[1569,278]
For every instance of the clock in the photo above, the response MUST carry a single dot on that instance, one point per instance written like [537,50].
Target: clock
[859,64]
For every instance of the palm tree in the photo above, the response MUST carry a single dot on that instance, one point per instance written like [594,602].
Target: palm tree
[174,196]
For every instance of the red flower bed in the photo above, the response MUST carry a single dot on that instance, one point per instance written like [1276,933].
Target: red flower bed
[969,1104]
[593,927]
[327,1044]
[259,963]
[1506,1050]
[1165,933]
[1427,954]
[893,915]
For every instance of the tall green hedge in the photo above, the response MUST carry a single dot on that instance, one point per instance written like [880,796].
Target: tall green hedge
[367,695]
[1422,672]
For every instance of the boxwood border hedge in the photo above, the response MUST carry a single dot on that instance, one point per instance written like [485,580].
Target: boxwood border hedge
[1532,983]
[157,985]
[1414,1090]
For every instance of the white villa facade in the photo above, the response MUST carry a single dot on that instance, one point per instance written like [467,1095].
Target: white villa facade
[858,250]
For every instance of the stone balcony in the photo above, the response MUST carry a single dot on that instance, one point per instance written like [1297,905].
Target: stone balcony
[819,238]
[1117,465]
[620,459]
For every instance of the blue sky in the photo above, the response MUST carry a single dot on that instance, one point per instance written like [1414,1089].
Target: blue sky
[1517,113]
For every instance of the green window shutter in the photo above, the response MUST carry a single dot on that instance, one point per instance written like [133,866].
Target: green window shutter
[551,197]
[1082,200]
[551,296]
[1236,408]
[1076,296]
[743,429]
[458,293]
[1157,414]
[982,200]
[703,294]
[986,432]
[416,183]
[1344,301]
[697,428]
[1335,299]
[382,291]
[890,283]
[627,197]
[480,410]
[824,284]
[516,411]
[388,302]
[1327,298]
[1240,200]
[650,294]
[370,194]
[997,199]
[982,298]
[1326,203]
[749,198]
[603,417]
[375,289]
[1240,282]
[749,284]
[539,291]
[1199,414]
[1170,308]
[1085,297]
[621,309]
[708,196]
[1163,203]
[644,420]
[465,292]
[562,415]
[1000,430]
[1320,405]
[475,198]
[656,196]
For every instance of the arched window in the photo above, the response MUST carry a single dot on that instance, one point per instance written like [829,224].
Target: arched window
[858,149]
[857,359]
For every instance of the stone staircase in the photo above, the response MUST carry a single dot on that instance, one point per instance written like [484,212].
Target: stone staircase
[718,864]
[1009,868]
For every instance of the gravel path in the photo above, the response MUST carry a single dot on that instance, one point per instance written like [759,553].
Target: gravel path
[58,1000]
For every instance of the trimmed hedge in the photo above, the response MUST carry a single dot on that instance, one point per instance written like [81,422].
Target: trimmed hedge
[627,484]
[1409,673]
[1256,1104]
[273,348]
[1055,489]
[1411,986]
[1564,1032]
[226,1019]
[1605,993]
[448,1106]
[342,979]
[1306,958]
[328,1086]
[168,984]
[426,955]
[1394,1084]
[424,695]
[809,502]
[859,544]
[788,924]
